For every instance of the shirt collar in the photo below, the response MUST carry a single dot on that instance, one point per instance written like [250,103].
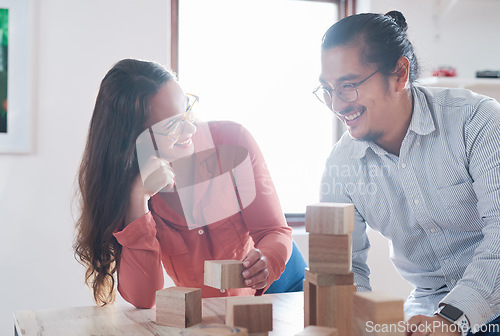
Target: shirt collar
[360,148]
[421,123]
[421,120]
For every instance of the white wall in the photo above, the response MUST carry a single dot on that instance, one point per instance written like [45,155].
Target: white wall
[74,45]
[465,37]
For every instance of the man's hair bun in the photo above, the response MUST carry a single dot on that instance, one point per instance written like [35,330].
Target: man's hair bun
[399,18]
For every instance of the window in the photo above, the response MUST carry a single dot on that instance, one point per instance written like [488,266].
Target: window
[256,62]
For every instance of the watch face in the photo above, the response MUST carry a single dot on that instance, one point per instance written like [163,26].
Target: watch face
[451,312]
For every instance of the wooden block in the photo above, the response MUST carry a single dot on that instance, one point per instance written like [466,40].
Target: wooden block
[334,307]
[224,274]
[375,309]
[329,306]
[330,218]
[215,330]
[325,279]
[252,312]
[330,253]
[378,307]
[309,303]
[178,307]
[318,331]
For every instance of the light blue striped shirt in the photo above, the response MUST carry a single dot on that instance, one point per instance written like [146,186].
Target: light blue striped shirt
[438,203]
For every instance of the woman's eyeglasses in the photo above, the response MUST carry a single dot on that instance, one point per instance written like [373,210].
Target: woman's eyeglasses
[173,127]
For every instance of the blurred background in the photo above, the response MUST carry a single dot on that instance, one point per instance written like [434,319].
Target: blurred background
[252,61]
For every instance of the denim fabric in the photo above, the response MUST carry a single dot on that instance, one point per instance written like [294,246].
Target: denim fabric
[291,279]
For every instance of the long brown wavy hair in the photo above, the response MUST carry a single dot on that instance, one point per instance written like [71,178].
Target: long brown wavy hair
[109,167]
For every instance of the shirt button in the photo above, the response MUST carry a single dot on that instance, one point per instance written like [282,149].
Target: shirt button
[453,281]
[447,261]
[200,232]
[432,230]
[417,202]
[403,165]
[222,290]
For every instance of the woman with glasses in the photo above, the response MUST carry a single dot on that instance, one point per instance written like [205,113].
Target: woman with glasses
[160,190]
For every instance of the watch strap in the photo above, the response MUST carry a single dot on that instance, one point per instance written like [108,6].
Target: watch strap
[462,322]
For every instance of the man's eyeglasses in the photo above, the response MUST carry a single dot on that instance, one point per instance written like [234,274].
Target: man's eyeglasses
[173,127]
[347,92]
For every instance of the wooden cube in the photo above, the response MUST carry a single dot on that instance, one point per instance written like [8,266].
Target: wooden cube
[318,331]
[254,313]
[334,307]
[216,330]
[330,253]
[224,274]
[329,306]
[378,307]
[375,308]
[326,279]
[309,303]
[178,307]
[330,218]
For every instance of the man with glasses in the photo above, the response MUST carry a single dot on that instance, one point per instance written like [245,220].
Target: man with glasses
[422,167]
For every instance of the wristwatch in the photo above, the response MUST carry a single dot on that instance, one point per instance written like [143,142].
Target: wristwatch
[455,316]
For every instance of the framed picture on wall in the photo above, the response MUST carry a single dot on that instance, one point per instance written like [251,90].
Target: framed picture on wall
[15,73]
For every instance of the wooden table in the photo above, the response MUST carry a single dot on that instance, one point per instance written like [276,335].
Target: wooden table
[125,320]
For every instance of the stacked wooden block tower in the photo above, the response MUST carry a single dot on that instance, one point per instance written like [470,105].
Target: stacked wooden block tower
[330,297]
[329,282]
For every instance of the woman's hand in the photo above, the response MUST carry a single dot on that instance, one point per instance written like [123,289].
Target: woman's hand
[154,176]
[162,177]
[256,272]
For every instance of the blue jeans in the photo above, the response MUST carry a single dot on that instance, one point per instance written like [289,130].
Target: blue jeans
[490,329]
[292,276]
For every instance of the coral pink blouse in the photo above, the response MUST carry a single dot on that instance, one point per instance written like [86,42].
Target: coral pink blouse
[223,224]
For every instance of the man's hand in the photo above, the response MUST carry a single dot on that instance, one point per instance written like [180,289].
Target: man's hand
[256,272]
[420,325]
